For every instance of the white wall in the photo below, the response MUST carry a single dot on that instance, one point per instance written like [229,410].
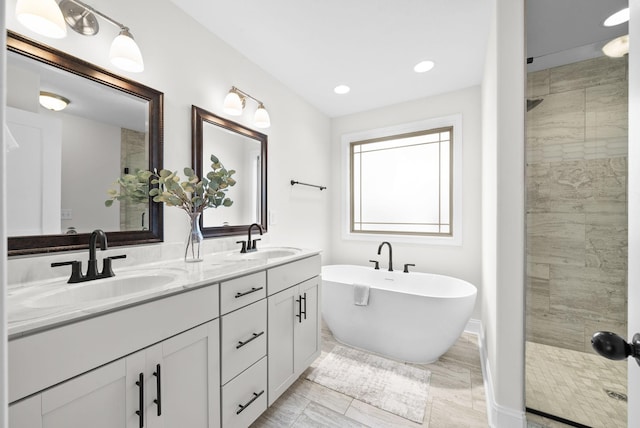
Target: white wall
[193,67]
[503,209]
[89,145]
[634,210]
[490,200]
[460,261]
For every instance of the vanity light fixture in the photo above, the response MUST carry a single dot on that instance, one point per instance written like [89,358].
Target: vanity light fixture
[617,47]
[47,18]
[52,101]
[235,101]
[617,18]
[43,17]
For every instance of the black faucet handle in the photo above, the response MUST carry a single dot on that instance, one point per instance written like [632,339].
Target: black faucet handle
[244,246]
[71,262]
[406,267]
[107,271]
[253,244]
[377,264]
[76,270]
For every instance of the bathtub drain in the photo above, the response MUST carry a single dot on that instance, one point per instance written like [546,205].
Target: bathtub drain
[616,395]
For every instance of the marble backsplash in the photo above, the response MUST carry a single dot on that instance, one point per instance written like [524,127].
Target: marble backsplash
[577,202]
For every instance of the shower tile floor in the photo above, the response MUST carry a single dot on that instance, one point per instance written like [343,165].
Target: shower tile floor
[573,385]
[456,397]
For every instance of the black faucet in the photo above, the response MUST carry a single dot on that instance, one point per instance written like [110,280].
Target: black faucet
[250,245]
[98,234]
[92,269]
[390,254]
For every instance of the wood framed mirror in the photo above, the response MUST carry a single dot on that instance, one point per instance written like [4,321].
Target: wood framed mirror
[238,148]
[60,200]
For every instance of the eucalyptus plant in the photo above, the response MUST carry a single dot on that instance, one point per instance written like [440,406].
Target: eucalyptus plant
[192,195]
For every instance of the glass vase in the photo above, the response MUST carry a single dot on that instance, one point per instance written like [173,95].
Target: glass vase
[194,240]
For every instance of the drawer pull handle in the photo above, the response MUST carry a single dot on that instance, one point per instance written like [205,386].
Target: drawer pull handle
[254,398]
[299,314]
[253,290]
[158,400]
[140,412]
[254,337]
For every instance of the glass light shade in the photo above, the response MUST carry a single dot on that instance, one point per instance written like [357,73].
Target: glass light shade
[43,17]
[233,104]
[125,53]
[261,118]
[617,47]
[617,18]
[53,101]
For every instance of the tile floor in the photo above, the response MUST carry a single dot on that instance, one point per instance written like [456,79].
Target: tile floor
[572,385]
[456,397]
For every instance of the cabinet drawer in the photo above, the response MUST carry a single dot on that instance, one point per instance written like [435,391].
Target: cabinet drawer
[243,339]
[245,397]
[240,292]
[283,277]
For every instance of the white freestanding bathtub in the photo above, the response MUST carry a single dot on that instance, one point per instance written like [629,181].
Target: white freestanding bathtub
[413,317]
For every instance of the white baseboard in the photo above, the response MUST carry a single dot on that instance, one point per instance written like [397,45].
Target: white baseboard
[498,416]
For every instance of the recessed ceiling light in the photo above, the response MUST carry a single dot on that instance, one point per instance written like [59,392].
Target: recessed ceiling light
[424,66]
[617,18]
[341,89]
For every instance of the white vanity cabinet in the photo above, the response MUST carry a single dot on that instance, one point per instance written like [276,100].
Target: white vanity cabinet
[215,355]
[170,384]
[294,322]
[243,349]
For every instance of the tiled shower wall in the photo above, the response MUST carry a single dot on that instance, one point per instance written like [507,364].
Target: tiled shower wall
[577,203]
[134,156]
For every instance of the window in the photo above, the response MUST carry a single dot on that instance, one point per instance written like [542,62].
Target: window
[403,181]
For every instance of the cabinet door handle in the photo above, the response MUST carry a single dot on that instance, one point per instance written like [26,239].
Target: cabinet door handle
[140,412]
[299,315]
[253,290]
[254,337]
[254,398]
[305,305]
[158,400]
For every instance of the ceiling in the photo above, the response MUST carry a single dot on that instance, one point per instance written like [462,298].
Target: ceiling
[311,46]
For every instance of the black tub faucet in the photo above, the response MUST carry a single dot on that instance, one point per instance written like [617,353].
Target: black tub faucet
[390,254]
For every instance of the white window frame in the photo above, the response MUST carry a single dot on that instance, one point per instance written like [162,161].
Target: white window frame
[454,121]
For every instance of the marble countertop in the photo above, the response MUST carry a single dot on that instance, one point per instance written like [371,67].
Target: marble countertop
[26,316]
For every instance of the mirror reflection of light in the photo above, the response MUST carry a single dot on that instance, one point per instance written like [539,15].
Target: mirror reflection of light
[617,18]
[52,101]
[617,47]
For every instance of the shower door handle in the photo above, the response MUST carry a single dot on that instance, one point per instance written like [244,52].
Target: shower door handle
[614,347]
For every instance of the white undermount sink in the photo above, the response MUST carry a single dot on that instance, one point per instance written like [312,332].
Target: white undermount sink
[265,254]
[103,289]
